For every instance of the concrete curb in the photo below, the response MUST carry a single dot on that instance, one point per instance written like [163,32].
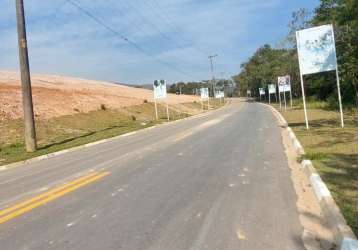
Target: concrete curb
[343,234]
[295,142]
[51,155]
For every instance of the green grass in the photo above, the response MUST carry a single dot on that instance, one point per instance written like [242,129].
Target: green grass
[333,150]
[74,130]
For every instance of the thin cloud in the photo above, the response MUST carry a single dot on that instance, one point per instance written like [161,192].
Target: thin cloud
[63,40]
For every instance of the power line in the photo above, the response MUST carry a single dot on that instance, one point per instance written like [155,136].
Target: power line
[162,14]
[153,25]
[165,20]
[132,43]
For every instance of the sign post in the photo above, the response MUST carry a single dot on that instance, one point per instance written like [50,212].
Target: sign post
[262,93]
[204,95]
[160,92]
[272,90]
[269,98]
[248,92]
[279,97]
[284,85]
[317,53]
[291,96]
[219,95]
[156,109]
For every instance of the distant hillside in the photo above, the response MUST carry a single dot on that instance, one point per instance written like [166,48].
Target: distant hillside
[60,95]
[143,86]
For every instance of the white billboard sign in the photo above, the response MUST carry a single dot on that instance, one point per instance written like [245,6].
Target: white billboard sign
[272,88]
[287,88]
[317,53]
[262,91]
[216,94]
[219,94]
[160,89]
[316,50]
[204,93]
[284,84]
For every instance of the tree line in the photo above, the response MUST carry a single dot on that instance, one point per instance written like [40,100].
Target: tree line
[193,88]
[267,63]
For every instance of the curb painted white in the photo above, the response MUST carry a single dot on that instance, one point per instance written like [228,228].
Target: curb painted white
[349,244]
[343,233]
[319,187]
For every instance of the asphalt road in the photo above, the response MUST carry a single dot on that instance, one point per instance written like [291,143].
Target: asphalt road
[218,181]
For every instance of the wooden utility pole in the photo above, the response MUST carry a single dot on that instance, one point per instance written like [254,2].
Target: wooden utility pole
[30,133]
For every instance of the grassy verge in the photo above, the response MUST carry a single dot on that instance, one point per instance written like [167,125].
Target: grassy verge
[333,150]
[73,130]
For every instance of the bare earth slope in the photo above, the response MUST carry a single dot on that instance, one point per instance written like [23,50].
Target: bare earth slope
[58,95]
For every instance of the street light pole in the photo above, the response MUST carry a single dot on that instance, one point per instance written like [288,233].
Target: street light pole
[30,133]
[212,72]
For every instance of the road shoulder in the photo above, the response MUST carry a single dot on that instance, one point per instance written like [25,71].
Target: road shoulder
[316,232]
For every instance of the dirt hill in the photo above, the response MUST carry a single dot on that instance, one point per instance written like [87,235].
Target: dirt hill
[59,95]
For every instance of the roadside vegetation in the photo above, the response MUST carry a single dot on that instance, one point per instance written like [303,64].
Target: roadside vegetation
[69,131]
[333,151]
[269,62]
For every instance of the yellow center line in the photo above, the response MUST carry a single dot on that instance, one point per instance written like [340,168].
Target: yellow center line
[23,207]
[41,196]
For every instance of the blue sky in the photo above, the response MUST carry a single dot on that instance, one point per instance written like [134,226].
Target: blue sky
[178,33]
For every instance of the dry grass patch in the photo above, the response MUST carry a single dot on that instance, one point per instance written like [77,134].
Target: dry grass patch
[334,152]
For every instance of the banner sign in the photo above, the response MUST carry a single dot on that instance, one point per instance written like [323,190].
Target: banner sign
[287,88]
[160,89]
[262,91]
[204,93]
[219,94]
[216,94]
[284,83]
[316,50]
[272,88]
[249,92]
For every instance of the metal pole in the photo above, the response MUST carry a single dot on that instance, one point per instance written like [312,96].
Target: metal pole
[269,97]
[168,112]
[338,85]
[279,96]
[212,72]
[156,109]
[304,101]
[290,91]
[30,132]
[302,85]
[339,98]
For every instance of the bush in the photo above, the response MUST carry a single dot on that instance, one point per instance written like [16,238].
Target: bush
[133,118]
[145,101]
[103,107]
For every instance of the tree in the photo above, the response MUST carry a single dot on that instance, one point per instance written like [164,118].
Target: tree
[268,63]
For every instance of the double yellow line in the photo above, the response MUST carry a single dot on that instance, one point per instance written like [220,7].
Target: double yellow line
[39,200]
